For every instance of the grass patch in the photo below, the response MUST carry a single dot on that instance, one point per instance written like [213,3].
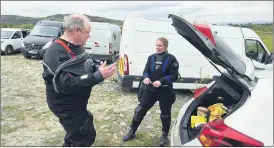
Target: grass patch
[21,116]
[42,115]
[9,129]
[14,112]
[27,121]
[143,139]
[56,140]
[267,38]
[9,108]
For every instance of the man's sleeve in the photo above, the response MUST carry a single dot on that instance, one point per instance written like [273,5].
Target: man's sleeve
[70,83]
[173,73]
[147,69]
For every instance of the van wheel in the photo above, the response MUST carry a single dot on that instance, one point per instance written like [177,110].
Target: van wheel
[9,50]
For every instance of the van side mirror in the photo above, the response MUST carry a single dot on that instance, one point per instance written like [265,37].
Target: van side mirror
[269,59]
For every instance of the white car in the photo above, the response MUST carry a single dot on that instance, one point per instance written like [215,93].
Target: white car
[12,39]
[248,99]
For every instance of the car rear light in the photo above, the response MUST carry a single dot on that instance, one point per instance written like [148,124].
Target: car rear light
[126,65]
[96,44]
[205,29]
[199,91]
[216,133]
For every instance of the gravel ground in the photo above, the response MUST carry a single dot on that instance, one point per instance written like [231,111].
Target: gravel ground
[27,121]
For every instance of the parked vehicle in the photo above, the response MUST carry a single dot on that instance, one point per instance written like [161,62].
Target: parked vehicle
[138,42]
[247,40]
[43,32]
[104,41]
[11,39]
[236,109]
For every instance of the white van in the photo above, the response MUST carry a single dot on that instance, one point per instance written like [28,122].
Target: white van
[104,41]
[11,39]
[138,42]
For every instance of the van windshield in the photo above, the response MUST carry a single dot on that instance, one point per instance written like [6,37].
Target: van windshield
[45,31]
[6,34]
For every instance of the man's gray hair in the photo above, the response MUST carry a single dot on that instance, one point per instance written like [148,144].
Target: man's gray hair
[74,21]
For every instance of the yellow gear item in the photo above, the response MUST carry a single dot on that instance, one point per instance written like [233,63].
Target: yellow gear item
[216,111]
[195,120]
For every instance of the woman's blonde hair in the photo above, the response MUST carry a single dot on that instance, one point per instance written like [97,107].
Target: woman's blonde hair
[164,41]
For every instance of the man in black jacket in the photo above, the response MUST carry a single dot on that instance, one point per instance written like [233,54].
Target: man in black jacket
[160,72]
[69,77]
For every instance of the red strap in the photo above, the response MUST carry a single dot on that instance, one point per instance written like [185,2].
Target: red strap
[66,47]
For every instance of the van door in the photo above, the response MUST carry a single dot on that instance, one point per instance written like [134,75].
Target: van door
[255,48]
[98,43]
[17,39]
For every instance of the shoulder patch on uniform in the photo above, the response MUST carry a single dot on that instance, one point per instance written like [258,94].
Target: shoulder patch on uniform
[176,64]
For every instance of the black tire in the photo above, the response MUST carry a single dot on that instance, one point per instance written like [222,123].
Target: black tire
[9,50]
[27,56]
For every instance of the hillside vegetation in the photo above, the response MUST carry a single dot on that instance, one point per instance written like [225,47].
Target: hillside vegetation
[21,20]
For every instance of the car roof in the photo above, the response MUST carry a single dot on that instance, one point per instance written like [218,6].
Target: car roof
[11,29]
[50,23]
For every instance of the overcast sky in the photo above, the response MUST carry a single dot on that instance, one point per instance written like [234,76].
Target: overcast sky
[214,11]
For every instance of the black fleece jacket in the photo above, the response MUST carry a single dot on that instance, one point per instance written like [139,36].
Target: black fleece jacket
[78,87]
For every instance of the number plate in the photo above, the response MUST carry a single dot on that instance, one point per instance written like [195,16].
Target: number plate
[33,52]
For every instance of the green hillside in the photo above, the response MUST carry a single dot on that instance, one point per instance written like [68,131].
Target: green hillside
[21,20]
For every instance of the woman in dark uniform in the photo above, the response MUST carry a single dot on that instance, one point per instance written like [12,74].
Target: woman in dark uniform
[160,72]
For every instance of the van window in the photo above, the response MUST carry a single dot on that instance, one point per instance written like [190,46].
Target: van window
[25,33]
[255,50]
[6,34]
[17,35]
[46,31]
